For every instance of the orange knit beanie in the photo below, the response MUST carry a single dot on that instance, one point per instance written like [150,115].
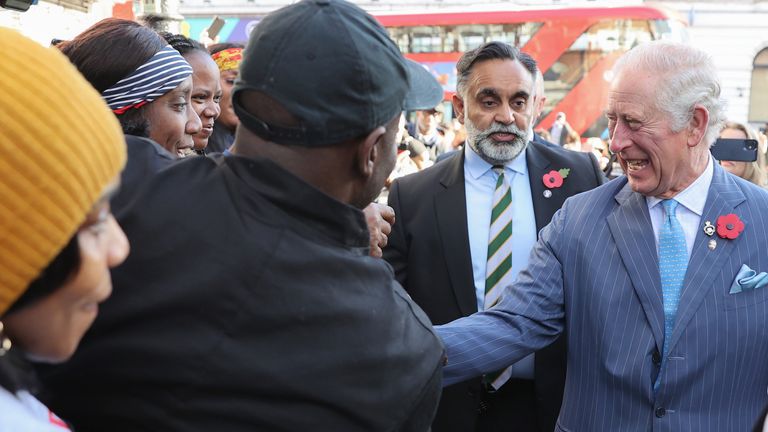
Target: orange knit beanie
[60,146]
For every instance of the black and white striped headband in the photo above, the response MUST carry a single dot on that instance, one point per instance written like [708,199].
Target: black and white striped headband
[162,73]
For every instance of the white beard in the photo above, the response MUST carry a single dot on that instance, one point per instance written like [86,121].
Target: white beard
[493,152]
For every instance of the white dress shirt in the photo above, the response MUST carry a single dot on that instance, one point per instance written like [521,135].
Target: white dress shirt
[692,200]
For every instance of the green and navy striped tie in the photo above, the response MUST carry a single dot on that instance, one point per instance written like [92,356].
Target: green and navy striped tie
[499,264]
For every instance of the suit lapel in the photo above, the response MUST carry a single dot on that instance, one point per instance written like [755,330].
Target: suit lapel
[451,219]
[631,228]
[538,165]
[724,195]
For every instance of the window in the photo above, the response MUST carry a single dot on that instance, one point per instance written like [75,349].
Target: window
[459,38]
[596,42]
[758,106]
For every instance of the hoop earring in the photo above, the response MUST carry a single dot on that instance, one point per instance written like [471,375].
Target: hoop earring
[5,343]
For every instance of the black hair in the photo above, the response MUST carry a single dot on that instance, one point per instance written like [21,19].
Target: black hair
[15,372]
[183,44]
[491,51]
[109,51]
[58,271]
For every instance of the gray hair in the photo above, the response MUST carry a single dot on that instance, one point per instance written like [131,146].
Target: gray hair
[490,51]
[687,77]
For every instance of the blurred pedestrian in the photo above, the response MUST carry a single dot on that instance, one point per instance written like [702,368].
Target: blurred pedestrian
[752,171]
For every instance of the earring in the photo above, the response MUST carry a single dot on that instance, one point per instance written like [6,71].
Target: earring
[5,343]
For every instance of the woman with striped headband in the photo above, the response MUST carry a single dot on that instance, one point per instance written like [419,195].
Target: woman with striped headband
[145,82]
[227,57]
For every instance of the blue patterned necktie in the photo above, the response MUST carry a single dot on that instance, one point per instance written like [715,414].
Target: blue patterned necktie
[673,262]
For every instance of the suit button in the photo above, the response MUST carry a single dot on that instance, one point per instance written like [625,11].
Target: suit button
[656,358]
[660,412]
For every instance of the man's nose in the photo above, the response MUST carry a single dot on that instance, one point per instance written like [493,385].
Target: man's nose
[619,138]
[505,115]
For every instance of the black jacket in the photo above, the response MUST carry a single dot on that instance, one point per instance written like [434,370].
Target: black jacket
[145,159]
[272,319]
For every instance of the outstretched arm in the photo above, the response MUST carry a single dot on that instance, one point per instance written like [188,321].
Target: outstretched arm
[529,316]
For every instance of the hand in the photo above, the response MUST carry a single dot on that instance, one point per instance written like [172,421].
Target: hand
[379,218]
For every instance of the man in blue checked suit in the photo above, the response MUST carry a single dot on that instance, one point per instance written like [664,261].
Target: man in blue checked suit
[657,275]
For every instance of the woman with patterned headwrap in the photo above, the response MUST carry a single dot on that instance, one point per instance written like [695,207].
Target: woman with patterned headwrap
[227,57]
[61,152]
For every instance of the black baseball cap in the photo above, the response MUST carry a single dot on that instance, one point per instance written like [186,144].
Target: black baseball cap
[333,66]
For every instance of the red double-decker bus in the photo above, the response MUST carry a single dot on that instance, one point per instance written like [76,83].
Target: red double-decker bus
[575,47]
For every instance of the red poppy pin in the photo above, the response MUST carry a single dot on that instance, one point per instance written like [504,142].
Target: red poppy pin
[729,226]
[554,179]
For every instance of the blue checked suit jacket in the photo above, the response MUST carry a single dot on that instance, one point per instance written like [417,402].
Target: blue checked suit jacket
[595,272]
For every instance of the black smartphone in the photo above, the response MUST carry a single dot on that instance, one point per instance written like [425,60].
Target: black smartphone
[734,149]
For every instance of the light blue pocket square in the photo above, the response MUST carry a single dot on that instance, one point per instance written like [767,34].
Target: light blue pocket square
[748,279]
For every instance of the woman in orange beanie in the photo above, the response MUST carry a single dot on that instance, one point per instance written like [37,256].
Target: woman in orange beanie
[61,152]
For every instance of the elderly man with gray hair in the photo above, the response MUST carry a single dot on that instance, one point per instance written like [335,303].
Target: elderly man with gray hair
[659,276]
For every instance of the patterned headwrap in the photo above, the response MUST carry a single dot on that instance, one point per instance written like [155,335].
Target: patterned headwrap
[228,59]
[162,73]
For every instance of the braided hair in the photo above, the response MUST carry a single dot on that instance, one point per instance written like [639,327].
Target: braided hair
[182,44]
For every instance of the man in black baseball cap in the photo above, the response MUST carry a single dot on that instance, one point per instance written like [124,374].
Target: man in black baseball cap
[334,69]
[274,317]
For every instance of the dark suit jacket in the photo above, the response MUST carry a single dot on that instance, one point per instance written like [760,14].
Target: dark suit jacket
[429,251]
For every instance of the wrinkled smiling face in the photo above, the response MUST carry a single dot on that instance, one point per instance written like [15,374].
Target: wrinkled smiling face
[497,109]
[657,161]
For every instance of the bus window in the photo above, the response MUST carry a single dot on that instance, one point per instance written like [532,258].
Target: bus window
[470,37]
[672,30]
[459,38]
[598,41]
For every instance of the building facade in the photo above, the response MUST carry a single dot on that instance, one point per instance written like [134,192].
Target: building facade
[735,33]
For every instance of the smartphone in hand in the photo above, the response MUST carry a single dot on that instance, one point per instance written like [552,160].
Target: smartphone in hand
[734,149]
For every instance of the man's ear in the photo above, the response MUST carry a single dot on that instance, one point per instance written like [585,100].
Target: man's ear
[697,127]
[539,108]
[458,107]
[369,150]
